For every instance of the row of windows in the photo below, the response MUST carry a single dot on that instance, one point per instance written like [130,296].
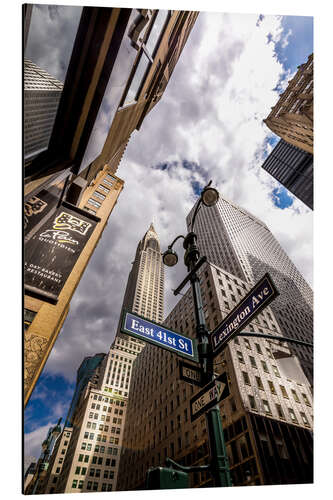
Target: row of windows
[267,410]
[91,485]
[108,474]
[108,399]
[98,448]
[284,393]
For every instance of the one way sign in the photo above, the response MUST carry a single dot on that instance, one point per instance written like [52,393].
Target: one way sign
[209,396]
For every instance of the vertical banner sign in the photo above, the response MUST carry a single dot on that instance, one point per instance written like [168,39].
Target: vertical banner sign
[52,252]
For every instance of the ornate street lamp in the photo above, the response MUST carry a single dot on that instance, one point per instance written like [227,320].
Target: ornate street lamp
[219,461]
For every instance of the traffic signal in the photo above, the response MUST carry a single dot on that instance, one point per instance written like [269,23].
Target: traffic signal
[162,478]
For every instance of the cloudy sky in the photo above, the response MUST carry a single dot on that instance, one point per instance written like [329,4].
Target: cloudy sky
[208,125]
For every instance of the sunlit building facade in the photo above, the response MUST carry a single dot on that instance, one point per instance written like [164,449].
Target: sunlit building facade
[254,249]
[292,116]
[99,404]
[267,418]
[95,198]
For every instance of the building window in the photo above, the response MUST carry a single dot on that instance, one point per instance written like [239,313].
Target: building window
[295,395]
[93,202]
[252,402]
[90,210]
[292,415]
[259,383]
[276,371]
[265,367]
[280,411]
[304,418]
[240,357]
[306,401]
[247,344]
[108,182]
[74,483]
[253,362]
[271,386]
[99,195]
[104,189]
[246,378]
[284,392]
[266,406]
[259,351]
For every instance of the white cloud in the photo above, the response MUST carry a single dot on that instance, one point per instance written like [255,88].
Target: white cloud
[33,440]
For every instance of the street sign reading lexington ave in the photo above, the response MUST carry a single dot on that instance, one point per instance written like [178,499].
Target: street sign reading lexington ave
[256,299]
[209,396]
[156,334]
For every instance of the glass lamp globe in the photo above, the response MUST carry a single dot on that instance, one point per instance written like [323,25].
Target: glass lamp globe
[210,197]
[170,258]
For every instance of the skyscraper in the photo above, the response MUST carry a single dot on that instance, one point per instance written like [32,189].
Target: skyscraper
[266,418]
[98,409]
[42,94]
[85,374]
[248,243]
[292,116]
[38,482]
[293,168]
[144,293]
[97,413]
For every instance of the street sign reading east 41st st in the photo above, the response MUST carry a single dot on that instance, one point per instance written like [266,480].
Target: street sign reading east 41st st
[256,299]
[156,334]
[209,396]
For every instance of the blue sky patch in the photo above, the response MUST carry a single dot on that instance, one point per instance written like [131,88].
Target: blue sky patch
[300,41]
[197,187]
[49,389]
[281,197]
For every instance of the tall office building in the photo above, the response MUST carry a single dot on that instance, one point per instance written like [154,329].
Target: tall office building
[38,481]
[91,460]
[42,94]
[56,461]
[254,249]
[98,409]
[267,418]
[144,292]
[29,471]
[292,116]
[293,168]
[85,374]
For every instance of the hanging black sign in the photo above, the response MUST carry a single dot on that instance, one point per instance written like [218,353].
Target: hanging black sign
[53,250]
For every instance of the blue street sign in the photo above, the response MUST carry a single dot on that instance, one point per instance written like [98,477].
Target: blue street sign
[258,298]
[156,334]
